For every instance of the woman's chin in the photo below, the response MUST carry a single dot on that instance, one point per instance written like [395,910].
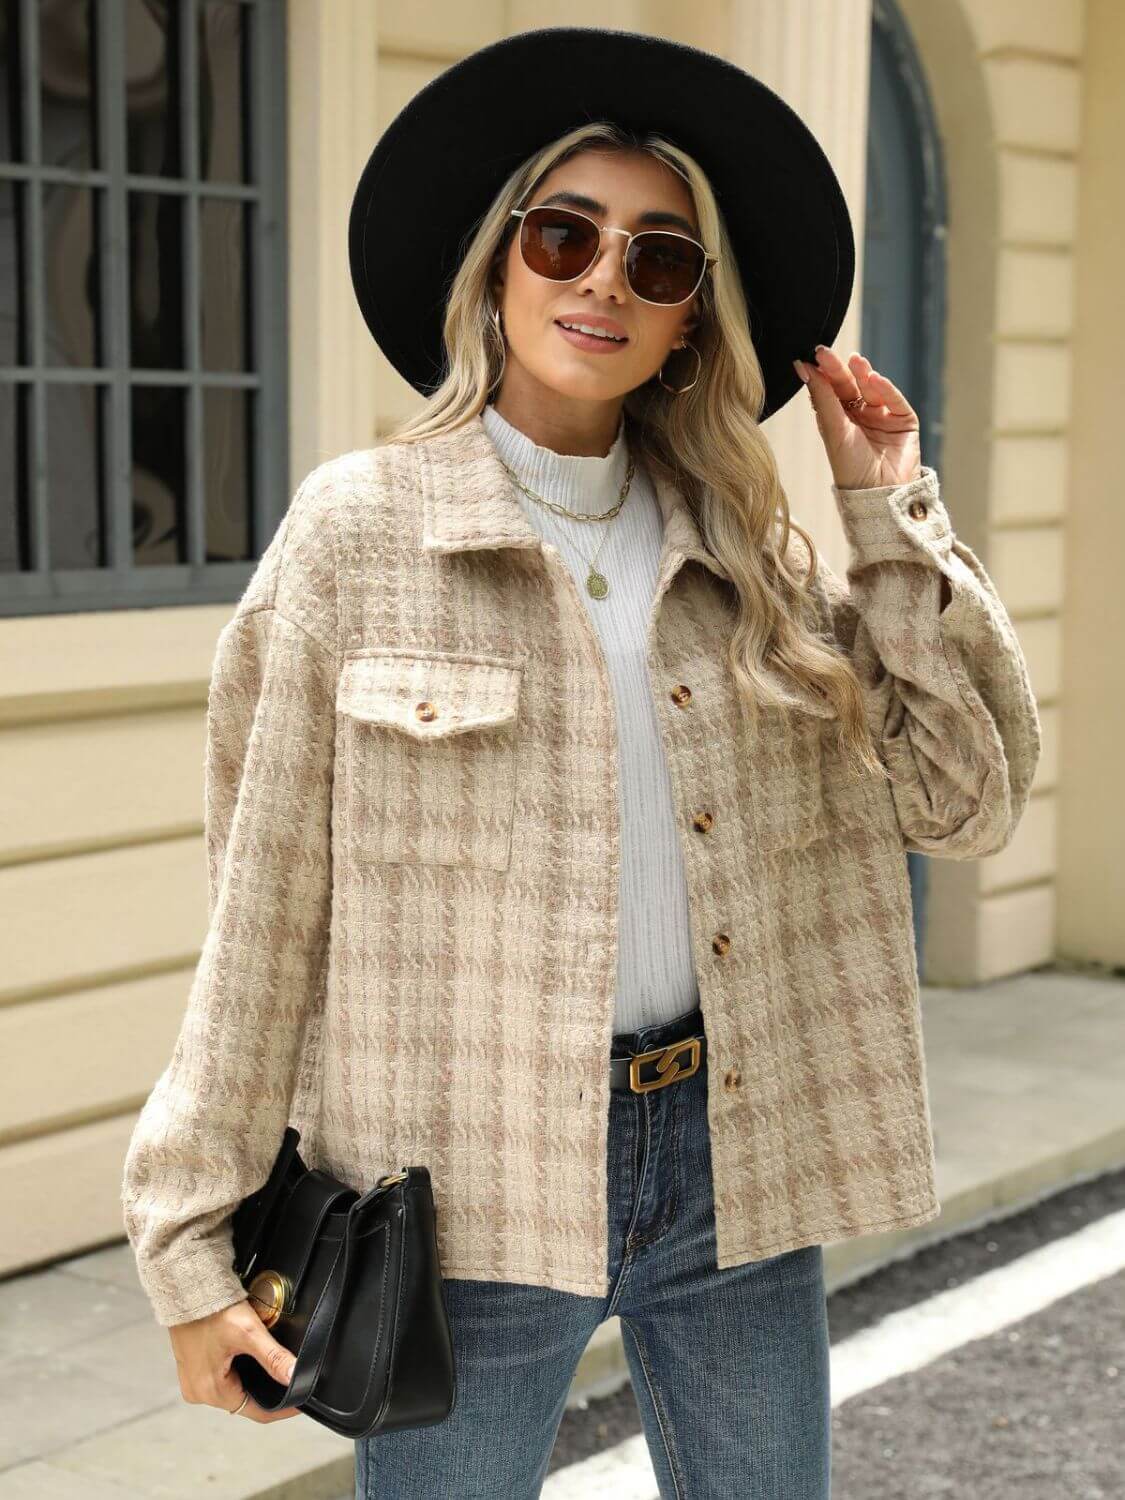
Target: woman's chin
[580,383]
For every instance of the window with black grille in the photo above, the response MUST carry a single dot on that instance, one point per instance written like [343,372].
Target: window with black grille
[143,368]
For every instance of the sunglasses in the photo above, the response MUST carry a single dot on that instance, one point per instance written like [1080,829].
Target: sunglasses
[661,267]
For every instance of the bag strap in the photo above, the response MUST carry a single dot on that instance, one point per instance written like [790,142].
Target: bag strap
[252,1214]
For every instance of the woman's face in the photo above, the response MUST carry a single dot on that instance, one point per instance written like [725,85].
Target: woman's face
[615,188]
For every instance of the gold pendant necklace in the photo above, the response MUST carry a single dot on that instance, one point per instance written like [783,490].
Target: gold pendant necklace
[597,585]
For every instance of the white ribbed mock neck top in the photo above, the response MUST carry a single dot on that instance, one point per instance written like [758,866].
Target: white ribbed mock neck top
[655,971]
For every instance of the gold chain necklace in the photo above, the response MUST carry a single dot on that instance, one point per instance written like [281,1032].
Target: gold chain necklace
[597,585]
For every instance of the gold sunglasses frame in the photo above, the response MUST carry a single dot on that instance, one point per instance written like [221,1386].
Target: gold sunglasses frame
[708,260]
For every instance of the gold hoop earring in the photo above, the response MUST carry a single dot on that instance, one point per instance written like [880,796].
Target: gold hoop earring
[678,390]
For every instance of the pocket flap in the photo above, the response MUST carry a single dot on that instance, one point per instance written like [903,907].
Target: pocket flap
[429,694]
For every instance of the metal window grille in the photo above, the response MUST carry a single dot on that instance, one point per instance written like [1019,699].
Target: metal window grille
[143,337]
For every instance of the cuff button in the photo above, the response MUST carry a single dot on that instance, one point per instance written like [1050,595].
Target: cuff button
[918,509]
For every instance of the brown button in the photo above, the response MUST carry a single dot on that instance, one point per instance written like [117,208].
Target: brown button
[720,942]
[702,821]
[681,694]
[733,1079]
[425,710]
[918,509]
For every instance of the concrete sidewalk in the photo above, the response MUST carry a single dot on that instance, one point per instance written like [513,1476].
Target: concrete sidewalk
[1027,1083]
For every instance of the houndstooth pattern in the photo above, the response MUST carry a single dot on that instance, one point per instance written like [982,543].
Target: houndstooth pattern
[411,816]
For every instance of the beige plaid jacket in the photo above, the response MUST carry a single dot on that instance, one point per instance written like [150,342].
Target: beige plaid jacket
[411,821]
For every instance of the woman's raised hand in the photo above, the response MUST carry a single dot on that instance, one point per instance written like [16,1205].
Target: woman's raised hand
[205,1348]
[869,445]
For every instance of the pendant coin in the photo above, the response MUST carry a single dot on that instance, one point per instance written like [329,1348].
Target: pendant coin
[596,585]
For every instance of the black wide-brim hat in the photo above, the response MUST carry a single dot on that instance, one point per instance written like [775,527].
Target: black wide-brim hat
[436,168]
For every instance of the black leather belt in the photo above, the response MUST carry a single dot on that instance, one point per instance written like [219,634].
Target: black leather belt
[643,1071]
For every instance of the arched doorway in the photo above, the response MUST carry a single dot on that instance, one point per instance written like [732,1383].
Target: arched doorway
[904,257]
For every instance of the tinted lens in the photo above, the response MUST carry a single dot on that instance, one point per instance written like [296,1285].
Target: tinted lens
[557,243]
[664,267]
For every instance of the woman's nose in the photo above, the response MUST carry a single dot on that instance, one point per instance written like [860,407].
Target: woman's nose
[609,263]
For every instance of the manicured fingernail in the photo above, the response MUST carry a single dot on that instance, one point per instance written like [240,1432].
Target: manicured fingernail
[799,366]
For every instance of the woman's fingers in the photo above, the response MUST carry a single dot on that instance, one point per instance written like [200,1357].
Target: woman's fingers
[867,425]
[877,390]
[886,409]
[229,1391]
[837,373]
[205,1350]
[258,1415]
[273,1357]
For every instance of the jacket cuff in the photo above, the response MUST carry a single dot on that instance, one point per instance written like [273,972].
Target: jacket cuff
[895,522]
[191,1283]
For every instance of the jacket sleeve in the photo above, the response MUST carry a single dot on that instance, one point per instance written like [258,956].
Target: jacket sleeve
[209,1131]
[948,697]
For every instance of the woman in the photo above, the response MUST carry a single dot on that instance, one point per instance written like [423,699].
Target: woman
[558,794]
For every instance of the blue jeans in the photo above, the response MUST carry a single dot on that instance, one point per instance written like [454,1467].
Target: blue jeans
[730,1368]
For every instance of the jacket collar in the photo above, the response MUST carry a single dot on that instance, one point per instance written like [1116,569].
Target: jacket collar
[469,502]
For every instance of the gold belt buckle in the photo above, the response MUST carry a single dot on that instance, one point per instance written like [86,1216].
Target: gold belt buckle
[668,1056]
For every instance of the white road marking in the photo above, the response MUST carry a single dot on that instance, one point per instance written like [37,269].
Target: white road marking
[900,1342]
[907,1340]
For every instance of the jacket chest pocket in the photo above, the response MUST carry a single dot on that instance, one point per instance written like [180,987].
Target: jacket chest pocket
[427,756]
[806,787]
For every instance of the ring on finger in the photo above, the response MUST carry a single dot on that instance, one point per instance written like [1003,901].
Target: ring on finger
[854,404]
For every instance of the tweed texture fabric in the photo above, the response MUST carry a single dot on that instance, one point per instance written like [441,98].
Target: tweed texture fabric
[414,851]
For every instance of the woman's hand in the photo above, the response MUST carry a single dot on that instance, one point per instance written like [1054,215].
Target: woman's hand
[870,445]
[205,1347]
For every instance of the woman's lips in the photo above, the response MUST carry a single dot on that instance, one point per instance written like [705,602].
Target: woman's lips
[591,341]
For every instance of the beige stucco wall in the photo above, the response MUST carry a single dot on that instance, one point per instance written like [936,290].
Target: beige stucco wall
[102,870]
[1092,827]
[1006,81]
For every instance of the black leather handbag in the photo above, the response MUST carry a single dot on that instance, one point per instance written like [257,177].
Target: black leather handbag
[351,1284]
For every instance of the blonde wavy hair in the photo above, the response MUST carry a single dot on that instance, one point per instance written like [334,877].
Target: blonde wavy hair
[707,441]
